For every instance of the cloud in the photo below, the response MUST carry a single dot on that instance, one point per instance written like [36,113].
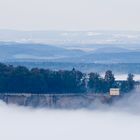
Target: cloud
[120,121]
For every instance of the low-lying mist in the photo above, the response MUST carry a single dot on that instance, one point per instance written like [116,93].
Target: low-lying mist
[120,121]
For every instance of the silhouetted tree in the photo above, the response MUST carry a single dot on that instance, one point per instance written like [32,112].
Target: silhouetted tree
[22,80]
[109,79]
[130,81]
[95,83]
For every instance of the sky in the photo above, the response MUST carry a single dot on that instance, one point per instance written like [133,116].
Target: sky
[70,14]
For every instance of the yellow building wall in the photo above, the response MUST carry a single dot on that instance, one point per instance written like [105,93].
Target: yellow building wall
[114,92]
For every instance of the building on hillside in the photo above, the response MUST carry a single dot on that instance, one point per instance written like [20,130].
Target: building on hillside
[114,92]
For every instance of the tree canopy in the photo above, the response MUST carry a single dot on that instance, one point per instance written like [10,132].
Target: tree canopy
[23,80]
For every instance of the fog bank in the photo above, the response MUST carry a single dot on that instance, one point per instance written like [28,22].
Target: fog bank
[120,121]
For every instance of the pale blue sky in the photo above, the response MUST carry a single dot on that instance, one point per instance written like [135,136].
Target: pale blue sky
[70,14]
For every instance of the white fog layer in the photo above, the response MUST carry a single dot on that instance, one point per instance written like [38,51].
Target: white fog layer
[121,121]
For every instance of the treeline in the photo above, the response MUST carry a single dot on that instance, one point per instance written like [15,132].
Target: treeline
[23,80]
[98,84]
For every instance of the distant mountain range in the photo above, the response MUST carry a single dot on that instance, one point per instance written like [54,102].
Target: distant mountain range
[71,37]
[21,51]
[50,53]
[70,46]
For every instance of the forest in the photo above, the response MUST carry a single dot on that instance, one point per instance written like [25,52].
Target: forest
[20,79]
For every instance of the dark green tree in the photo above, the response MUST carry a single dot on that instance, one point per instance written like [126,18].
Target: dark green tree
[109,79]
[95,83]
[130,81]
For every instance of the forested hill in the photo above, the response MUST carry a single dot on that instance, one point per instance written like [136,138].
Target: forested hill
[23,80]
